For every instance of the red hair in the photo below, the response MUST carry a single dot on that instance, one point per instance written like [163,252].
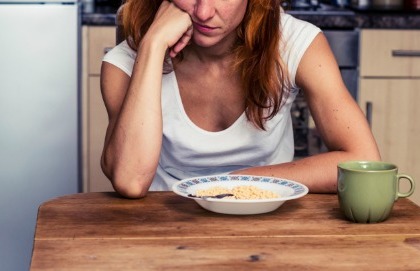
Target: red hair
[257,51]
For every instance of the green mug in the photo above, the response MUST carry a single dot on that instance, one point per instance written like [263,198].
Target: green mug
[367,190]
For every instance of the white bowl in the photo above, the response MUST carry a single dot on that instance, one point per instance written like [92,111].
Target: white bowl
[286,189]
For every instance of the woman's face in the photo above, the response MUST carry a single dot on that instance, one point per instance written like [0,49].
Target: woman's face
[213,20]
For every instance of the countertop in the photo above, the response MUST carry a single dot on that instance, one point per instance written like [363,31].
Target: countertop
[328,17]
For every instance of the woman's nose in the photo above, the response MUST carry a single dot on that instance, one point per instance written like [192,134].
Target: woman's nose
[205,9]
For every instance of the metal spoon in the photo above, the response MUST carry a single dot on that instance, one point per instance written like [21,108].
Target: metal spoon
[220,196]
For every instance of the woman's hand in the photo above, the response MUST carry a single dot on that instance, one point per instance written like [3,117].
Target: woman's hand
[172,26]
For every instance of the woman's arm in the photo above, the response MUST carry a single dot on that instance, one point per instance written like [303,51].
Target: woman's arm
[338,118]
[134,134]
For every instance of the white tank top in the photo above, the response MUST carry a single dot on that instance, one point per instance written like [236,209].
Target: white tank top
[189,151]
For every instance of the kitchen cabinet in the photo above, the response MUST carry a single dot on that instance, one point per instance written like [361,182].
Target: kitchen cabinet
[97,40]
[389,92]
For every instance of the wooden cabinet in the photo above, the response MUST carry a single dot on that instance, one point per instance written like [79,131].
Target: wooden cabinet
[390,84]
[97,40]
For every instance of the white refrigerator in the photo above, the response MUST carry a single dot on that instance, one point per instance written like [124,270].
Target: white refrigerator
[39,117]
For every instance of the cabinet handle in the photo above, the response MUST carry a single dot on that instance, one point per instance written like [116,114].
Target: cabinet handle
[405,53]
[369,113]
[107,49]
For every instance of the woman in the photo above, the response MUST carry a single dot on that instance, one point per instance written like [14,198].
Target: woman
[223,106]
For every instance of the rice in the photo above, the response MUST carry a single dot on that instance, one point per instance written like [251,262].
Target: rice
[239,192]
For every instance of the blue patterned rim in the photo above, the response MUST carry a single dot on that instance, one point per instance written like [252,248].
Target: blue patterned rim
[183,185]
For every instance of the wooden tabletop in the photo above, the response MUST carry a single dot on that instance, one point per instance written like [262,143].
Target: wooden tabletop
[163,231]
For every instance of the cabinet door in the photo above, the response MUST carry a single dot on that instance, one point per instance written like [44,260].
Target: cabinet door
[101,40]
[97,40]
[390,53]
[97,124]
[395,122]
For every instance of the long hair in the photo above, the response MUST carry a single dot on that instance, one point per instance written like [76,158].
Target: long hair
[257,53]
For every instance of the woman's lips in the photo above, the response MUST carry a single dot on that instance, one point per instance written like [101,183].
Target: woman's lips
[203,28]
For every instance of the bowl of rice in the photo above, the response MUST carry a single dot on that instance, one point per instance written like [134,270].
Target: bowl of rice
[239,194]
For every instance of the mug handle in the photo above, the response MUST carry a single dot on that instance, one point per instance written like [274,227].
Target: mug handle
[412,185]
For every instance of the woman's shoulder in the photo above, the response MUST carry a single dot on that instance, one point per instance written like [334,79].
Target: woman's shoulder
[296,37]
[293,27]
[121,56]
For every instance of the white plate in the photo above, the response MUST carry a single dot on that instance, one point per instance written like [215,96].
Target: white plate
[286,189]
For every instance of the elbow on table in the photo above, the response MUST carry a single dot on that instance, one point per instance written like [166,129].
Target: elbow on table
[132,189]
[375,157]
[371,154]
[364,155]
[128,185]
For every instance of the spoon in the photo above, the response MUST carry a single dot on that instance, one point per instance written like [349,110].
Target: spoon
[220,196]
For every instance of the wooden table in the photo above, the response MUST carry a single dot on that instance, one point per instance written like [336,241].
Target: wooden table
[163,231]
